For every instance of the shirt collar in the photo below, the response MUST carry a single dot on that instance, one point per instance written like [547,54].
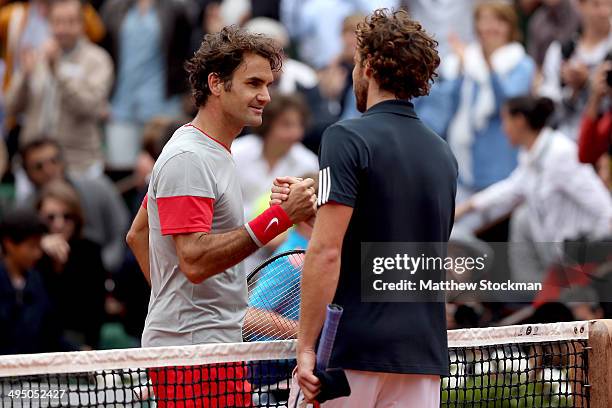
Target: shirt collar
[396,106]
[539,148]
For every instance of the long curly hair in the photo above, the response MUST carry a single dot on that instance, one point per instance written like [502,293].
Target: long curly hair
[221,53]
[401,54]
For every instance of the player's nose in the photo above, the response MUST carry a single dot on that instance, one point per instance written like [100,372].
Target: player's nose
[264,97]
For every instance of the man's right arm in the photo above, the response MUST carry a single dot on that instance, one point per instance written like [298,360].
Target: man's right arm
[202,255]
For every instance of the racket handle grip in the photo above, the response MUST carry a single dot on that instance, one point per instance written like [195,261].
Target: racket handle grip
[328,336]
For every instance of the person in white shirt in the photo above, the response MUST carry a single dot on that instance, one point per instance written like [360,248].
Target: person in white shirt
[295,74]
[274,149]
[563,198]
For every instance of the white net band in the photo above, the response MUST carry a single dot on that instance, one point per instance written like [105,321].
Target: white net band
[87,361]
[527,333]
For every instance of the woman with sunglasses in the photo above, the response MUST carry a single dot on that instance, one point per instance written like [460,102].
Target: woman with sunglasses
[72,267]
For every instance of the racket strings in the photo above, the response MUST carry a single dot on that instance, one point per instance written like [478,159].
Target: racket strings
[274,292]
[271,324]
[288,292]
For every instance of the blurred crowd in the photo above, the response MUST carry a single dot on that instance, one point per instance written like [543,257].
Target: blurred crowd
[92,90]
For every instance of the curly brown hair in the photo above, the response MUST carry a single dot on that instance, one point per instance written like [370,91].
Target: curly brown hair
[401,54]
[221,53]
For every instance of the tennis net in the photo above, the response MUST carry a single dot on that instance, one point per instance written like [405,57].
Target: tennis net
[540,365]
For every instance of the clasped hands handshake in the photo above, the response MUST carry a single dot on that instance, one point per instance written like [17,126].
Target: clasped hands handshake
[296,196]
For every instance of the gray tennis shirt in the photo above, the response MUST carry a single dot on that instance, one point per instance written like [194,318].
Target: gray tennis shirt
[193,188]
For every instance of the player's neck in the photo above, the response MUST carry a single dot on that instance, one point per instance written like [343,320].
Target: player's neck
[215,124]
[377,95]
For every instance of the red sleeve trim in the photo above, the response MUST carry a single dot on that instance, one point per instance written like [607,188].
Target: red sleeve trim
[145,201]
[185,214]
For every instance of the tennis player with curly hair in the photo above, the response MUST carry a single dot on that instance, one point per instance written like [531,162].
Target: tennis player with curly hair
[384,177]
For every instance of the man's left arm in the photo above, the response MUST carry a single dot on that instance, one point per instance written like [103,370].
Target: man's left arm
[319,283]
[343,157]
[138,241]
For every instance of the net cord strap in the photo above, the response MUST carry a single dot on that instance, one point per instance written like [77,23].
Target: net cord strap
[89,361]
[527,333]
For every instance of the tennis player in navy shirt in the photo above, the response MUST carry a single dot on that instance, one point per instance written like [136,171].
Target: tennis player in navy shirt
[385,177]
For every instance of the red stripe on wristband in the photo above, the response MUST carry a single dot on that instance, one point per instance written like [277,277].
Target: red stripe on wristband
[269,224]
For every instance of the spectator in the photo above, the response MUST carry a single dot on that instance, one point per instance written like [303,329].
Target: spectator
[265,8]
[26,319]
[235,12]
[149,41]
[568,66]
[210,21]
[274,149]
[525,10]
[316,25]
[444,19]
[437,108]
[482,76]
[106,216]
[333,99]
[596,130]
[564,199]
[72,268]
[64,91]
[295,76]
[556,20]
[24,27]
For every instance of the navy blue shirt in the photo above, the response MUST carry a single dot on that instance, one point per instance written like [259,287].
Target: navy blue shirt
[400,178]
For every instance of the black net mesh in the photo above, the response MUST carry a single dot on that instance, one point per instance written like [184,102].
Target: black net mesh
[240,384]
[543,374]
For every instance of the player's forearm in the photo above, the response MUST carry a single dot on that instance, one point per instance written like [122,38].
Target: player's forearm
[211,254]
[138,240]
[139,244]
[319,282]
[268,323]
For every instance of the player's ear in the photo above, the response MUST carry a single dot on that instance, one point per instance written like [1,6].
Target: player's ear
[215,84]
[367,69]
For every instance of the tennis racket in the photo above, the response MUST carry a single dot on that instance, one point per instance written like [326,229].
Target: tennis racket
[324,352]
[274,298]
